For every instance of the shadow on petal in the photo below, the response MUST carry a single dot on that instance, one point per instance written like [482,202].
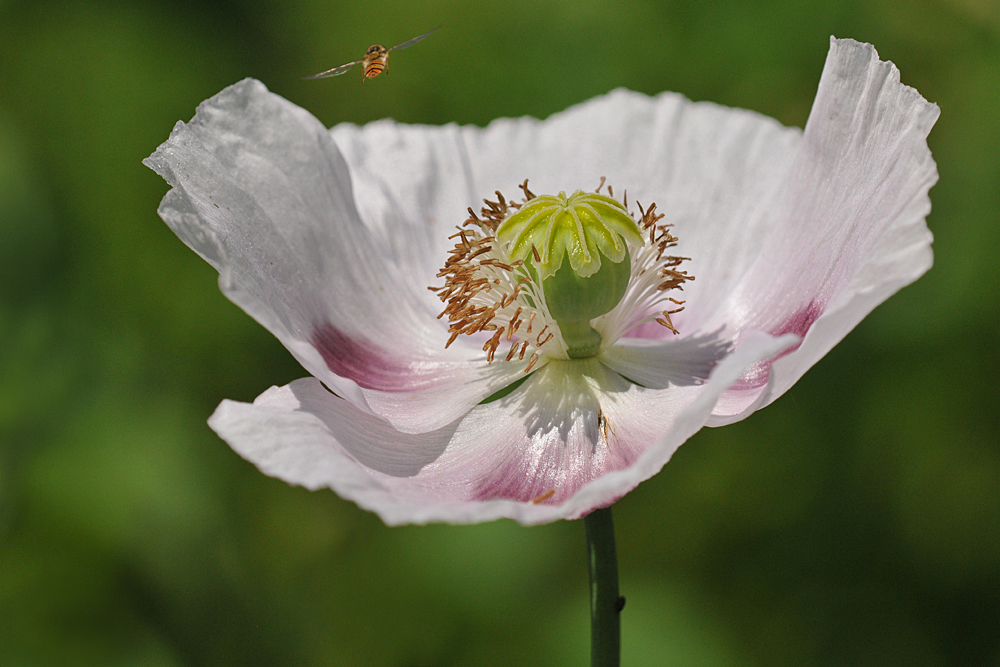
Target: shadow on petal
[562,439]
[559,400]
[374,443]
[658,364]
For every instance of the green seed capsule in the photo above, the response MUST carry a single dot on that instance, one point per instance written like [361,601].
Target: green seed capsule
[591,230]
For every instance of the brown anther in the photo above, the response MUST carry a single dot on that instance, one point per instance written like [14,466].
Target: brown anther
[534,253]
[497,263]
[484,317]
[531,362]
[492,344]
[472,220]
[520,356]
[483,250]
[601,185]
[495,213]
[511,330]
[674,279]
[604,424]
[665,321]
[528,194]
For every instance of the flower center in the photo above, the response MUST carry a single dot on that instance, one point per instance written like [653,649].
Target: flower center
[561,277]
[591,231]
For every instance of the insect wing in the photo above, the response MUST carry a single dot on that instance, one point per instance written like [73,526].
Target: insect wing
[336,71]
[411,42]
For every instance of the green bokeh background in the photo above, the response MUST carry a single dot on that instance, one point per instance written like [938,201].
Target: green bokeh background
[854,522]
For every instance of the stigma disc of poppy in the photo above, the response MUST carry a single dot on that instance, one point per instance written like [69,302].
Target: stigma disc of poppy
[376,59]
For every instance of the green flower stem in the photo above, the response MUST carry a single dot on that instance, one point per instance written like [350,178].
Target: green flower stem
[605,604]
[581,339]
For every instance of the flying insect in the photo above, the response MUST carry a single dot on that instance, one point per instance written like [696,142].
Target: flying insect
[375,62]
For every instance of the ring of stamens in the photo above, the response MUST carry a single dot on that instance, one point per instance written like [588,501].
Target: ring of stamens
[484,291]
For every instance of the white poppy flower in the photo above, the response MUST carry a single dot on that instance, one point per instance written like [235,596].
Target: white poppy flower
[331,238]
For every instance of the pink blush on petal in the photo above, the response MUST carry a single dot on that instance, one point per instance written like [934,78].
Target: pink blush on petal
[798,323]
[362,362]
[510,481]
[550,469]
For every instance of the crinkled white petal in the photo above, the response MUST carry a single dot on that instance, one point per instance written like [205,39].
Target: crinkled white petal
[847,228]
[261,192]
[412,186]
[572,439]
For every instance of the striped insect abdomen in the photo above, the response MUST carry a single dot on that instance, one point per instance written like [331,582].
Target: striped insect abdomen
[374,68]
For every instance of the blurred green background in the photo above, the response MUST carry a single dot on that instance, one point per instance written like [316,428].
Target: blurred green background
[854,522]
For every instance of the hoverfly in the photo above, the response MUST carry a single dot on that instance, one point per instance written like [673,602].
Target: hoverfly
[376,60]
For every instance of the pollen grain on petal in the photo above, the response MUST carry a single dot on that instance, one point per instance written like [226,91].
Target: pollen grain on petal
[604,426]
[545,496]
